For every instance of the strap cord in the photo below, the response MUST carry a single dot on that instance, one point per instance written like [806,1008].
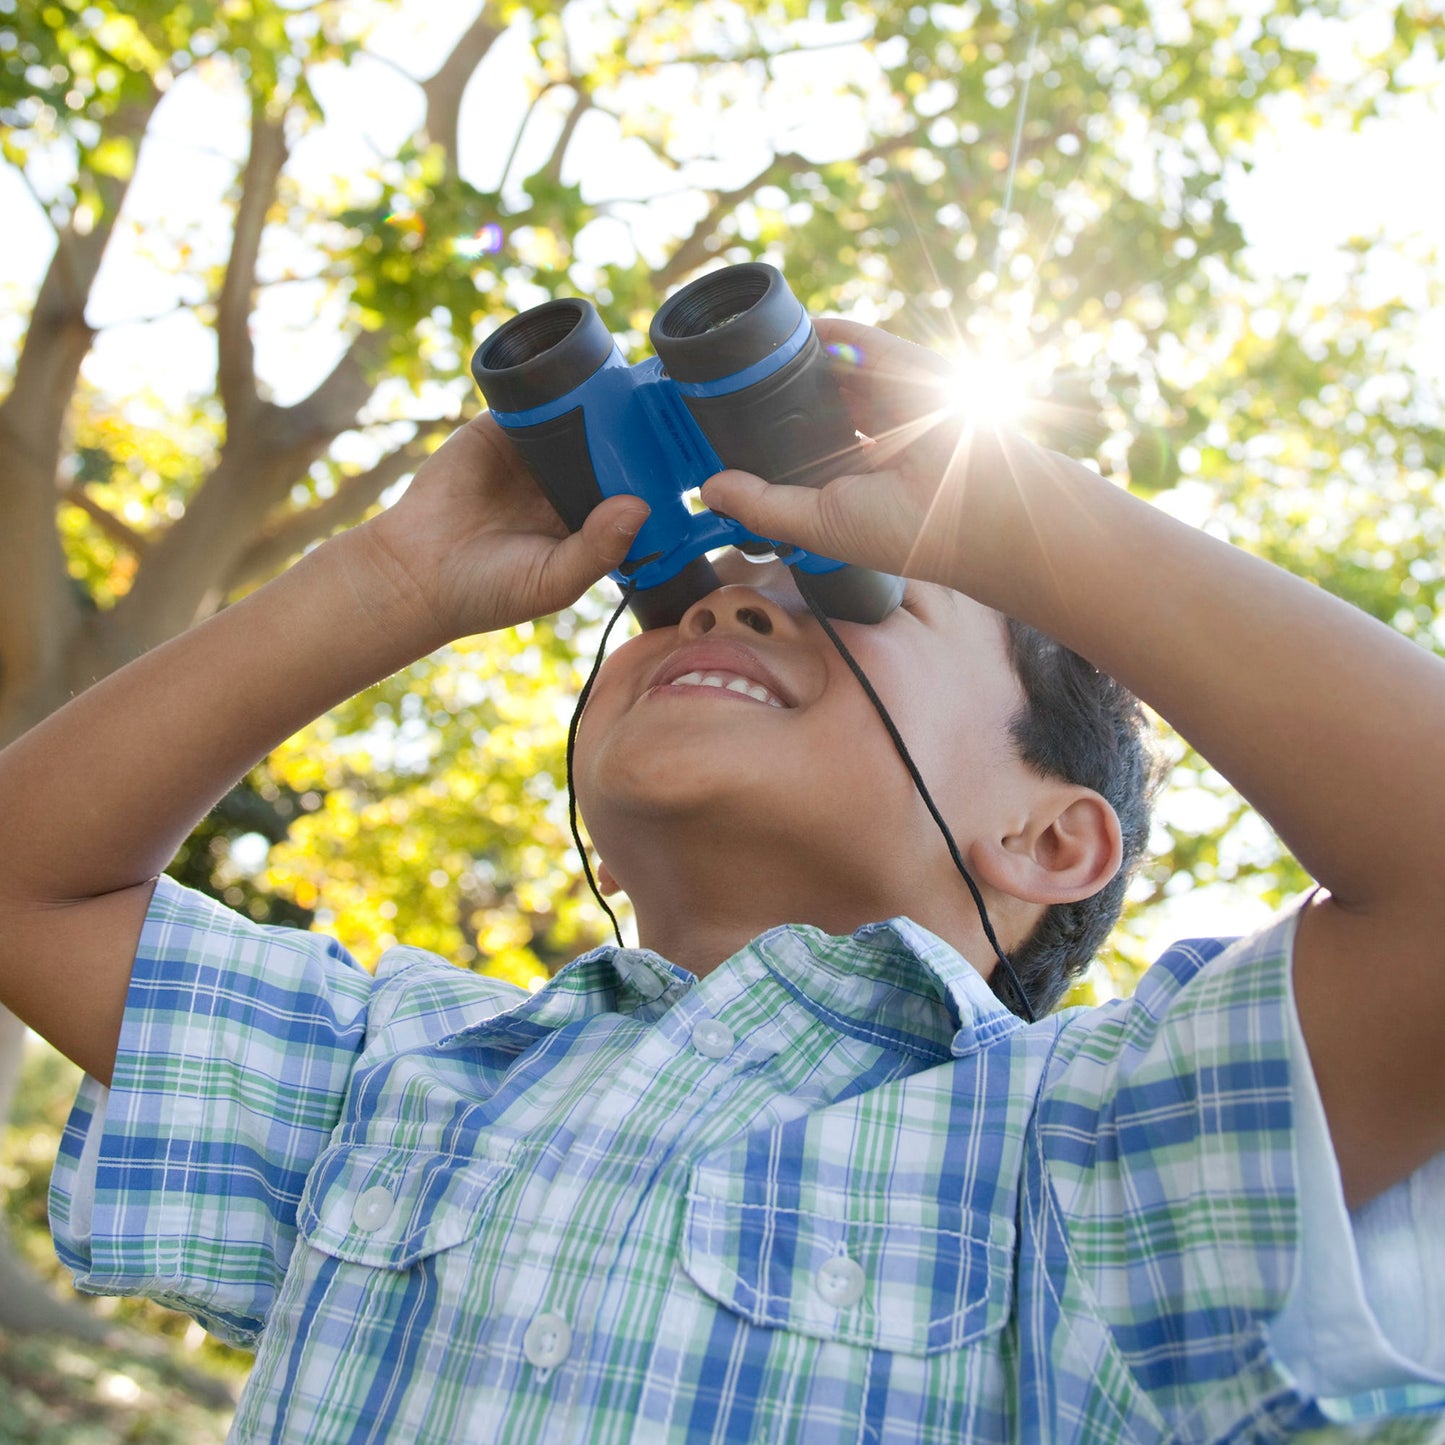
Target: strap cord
[1021,998]
[581,703]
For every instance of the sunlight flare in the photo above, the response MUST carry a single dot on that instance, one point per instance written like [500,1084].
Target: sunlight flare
[992,386]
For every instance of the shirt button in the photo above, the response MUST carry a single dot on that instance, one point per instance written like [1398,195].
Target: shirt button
[713,1038]
[840,1282]
[373,1208]
[547,1341]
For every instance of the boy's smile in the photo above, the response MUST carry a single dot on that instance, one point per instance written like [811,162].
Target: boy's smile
[719,666]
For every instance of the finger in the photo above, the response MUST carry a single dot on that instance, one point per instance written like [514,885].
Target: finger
[895,390]
[819,520]
[581,558]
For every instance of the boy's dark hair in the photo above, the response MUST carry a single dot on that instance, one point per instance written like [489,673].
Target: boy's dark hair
[1080,725]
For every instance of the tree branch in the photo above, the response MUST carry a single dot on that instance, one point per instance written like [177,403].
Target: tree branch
[186,568]
[553,169]
[41,204]
[149,319]
[279,543]
[58,335]
[693,250]
[738,57]
[522,130]
[235,353]
[332,406]
[655,146]
[105,519]
[444,90]
[39,610]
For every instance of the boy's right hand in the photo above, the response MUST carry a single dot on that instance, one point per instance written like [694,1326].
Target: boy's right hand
[473,545]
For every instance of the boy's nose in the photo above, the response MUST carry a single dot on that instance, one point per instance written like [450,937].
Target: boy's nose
[735,606]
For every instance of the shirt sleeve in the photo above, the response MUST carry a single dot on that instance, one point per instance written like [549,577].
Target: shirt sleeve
[1366,1318]
[1186,1179]
[181,1181]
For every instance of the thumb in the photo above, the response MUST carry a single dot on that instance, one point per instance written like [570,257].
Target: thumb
[581,558]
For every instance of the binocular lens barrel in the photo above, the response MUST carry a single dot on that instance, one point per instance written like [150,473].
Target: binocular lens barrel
[725,322]
[739,354]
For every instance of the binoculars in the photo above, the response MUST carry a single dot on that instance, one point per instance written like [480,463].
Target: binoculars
[740,379]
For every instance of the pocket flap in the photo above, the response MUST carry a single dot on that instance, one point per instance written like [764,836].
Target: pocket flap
[800,1229]
[378,1206]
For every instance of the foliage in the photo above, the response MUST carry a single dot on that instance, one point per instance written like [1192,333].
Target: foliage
[434,810]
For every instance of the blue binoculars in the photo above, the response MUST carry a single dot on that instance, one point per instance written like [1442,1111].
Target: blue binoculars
[740,379]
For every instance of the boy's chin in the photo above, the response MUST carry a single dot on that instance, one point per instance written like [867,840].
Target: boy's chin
[640,770]
[708,797]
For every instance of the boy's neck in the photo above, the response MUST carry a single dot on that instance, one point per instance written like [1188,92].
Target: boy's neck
[699,918]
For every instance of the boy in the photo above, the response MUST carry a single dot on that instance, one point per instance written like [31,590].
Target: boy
[789,1171]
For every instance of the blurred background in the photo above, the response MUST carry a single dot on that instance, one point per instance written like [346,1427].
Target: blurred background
[248,248]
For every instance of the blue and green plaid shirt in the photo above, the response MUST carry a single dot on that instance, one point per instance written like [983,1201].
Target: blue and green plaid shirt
[831,1192]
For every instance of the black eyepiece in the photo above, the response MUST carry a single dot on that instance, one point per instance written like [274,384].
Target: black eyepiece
[541,355]
[714,301]
[527,336]
[724,322]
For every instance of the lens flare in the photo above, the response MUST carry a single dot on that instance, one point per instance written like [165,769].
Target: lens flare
[992,385]
[486,241]
[849,355]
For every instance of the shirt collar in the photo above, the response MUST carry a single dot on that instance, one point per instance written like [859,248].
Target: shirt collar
[894,983]
[631,981]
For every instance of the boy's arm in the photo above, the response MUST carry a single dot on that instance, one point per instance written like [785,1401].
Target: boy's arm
[1328,722]
[97,798]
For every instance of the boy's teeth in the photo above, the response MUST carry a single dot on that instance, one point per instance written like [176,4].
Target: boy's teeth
[729,684]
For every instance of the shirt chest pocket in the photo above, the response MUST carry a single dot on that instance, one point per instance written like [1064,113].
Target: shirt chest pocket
[791,1235]
[388,1208]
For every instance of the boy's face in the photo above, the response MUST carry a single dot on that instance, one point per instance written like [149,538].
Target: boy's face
[785,770]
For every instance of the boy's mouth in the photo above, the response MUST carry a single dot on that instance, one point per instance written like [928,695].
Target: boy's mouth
[725,667]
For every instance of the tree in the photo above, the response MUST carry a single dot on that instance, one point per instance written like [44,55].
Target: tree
[1049,182]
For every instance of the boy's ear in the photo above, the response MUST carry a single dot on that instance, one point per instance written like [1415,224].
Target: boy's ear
[605,881]
[1067,848]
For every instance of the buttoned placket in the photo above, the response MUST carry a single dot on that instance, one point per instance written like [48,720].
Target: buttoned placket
[703,1051]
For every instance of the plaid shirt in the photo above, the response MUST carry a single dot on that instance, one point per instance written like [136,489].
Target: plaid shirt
[831,1192]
